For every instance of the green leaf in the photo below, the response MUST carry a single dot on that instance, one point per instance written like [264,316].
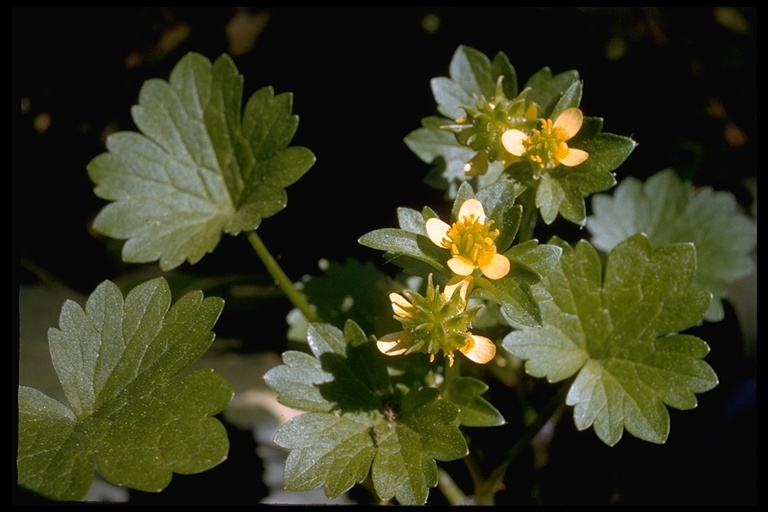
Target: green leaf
[405,244]
[571,98]
[357,424]
[620,333]
[199,167]
[439,148]
[500,66]
[326,449]
[470,75]
[465,392]
[529,262]
[131,411]
[669,210]
[404,467]
[547,90]
[498,202]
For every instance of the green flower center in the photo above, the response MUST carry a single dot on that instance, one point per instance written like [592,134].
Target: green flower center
[437,323]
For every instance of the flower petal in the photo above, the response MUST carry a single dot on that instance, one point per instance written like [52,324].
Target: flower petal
[461,266]
[574,157]
[497,268]
[472,207]
[400,305]
[461,283]
[570,121]
[480,350]
[437,231]
[394,344]
[513,141]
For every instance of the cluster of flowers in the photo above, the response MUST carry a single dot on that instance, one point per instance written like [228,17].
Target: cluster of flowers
[441,320]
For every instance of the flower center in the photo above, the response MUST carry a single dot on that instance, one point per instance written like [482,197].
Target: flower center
[473,241]
[546,147]
[438,323]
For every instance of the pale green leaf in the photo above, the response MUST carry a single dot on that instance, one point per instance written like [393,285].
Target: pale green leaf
[405,244]
[470,76]
[669,210]
[618,332]
[439,147]
[200,166]
[326,449]
[132,412]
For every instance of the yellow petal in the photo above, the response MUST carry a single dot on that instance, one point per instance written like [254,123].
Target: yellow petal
[437,231]
[461,266]
[400,305]
[480,350]
[574,157]
[497,268]
[461,283]
[569,121]
[513,141]
[472,207]
[394,344]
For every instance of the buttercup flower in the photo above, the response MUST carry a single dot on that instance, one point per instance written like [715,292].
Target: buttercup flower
[547,147]
[471,242]
[435,322]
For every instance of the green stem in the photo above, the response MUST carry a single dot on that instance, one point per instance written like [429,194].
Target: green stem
[285,284]
[528,222]
[486,489]
[450,490]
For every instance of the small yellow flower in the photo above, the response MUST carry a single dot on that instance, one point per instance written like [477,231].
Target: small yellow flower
[471,242]
[548,147]
[435,322]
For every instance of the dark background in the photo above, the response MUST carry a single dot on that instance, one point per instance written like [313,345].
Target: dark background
[680,81]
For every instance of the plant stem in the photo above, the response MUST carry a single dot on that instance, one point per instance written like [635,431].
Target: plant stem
[285,284]
[486,489]
[527,223]
[450,490]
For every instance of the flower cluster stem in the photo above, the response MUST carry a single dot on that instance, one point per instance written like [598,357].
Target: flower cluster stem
[282,280]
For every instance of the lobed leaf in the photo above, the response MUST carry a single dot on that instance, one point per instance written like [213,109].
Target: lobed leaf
[357,425]
[200,166]
[619,334]
[131,412]
[669,210]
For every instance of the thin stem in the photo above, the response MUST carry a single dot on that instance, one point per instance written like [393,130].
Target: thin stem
[285,284]
[528,222]
[485,490]
[450,490]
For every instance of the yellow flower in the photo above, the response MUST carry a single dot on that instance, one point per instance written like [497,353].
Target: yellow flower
[471,242]
[435,322]
[548,147]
